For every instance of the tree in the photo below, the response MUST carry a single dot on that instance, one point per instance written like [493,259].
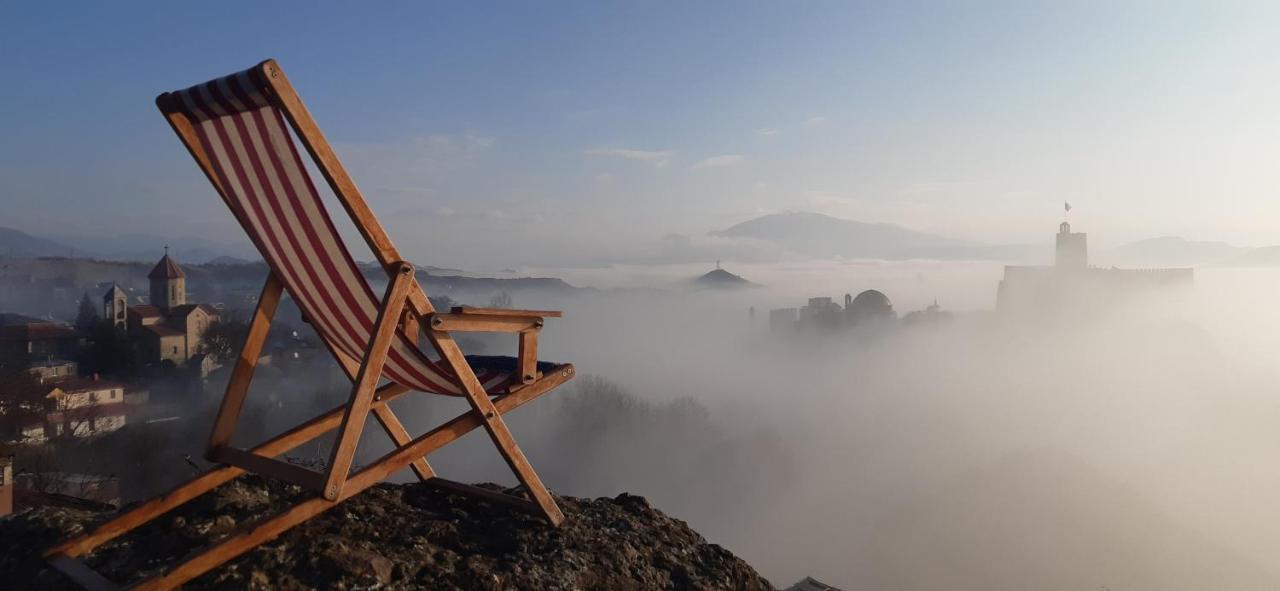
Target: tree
[86,316]
[107,350]
[22,402]
[502,300]
[222,339]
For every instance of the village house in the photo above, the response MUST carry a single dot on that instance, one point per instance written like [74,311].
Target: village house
[78,407]
[25,340]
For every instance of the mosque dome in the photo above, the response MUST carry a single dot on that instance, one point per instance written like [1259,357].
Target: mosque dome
[872,301]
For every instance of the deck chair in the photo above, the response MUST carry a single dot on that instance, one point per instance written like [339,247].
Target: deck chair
[237,129]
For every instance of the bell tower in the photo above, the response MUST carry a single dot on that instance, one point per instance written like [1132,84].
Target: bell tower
[168,284]
[115,306]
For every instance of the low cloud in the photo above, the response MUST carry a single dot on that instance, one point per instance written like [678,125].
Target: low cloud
[659,158]
[719,161]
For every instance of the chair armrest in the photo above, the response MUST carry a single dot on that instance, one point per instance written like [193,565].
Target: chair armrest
[528,323]
[483,322]
[506,312]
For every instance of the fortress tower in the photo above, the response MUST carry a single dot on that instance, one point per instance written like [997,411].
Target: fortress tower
[1072,249]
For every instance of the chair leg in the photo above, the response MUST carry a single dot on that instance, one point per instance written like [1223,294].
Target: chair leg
[375,357]
[495,426]
[224,424]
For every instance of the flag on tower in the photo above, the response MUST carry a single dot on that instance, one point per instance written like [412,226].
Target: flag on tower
[1066,205]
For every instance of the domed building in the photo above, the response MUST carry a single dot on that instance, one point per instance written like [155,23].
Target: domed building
[871,306]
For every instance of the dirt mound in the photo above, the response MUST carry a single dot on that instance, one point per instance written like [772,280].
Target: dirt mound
[397,537]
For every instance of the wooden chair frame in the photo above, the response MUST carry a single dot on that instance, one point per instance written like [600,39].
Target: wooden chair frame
[404,306]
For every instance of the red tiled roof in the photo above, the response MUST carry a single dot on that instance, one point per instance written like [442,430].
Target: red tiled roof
[163,330]
[166,269]
[186,309]
[81,384]
[35,331]
[145,310]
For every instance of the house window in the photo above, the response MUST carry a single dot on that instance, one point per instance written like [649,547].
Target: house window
[175,350]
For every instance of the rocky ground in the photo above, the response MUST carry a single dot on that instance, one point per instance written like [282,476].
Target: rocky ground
[396,537]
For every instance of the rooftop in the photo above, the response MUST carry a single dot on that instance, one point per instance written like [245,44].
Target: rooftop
[166,269]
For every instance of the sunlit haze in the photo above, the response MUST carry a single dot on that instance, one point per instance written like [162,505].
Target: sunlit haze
[895,295]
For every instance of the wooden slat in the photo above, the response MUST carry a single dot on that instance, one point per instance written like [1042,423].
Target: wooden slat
[80,573]
[514,502]
[375,356]
[374,473]
[477,323]
[528,356]
[505,312]
[238,385]
[271,467]
[411,327]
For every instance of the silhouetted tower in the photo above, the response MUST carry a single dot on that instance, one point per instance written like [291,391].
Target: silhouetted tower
[848,301]
[1073,250]
[168,284]
[115,305]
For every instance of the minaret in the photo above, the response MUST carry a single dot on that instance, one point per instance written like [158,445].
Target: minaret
[168,284]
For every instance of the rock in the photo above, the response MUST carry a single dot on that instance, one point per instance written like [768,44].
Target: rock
[357,563]
[398,537]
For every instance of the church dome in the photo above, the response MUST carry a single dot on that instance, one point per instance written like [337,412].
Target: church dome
[872,300]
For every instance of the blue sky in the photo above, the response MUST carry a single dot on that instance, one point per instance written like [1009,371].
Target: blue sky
[501,134]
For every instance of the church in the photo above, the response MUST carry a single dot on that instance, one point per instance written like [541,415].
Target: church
[167,328]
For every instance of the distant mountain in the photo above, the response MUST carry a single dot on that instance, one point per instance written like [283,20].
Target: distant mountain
[819,235]
[147,247]
[21,244]
[227,260]
[1265,256]
[1170,251]
[721,279]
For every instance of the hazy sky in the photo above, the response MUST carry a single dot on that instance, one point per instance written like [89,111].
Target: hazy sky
[504,134]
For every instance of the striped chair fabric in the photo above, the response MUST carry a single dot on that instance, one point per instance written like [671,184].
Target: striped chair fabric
[269,191]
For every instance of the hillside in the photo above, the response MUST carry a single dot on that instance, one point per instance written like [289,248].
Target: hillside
[721,279]
[52,285]
[21,244]
[400,537]
[1170,251]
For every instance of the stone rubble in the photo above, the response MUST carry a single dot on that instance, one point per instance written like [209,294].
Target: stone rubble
[396,537]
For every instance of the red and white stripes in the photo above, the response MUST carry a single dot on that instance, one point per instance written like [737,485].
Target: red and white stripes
[274,199]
